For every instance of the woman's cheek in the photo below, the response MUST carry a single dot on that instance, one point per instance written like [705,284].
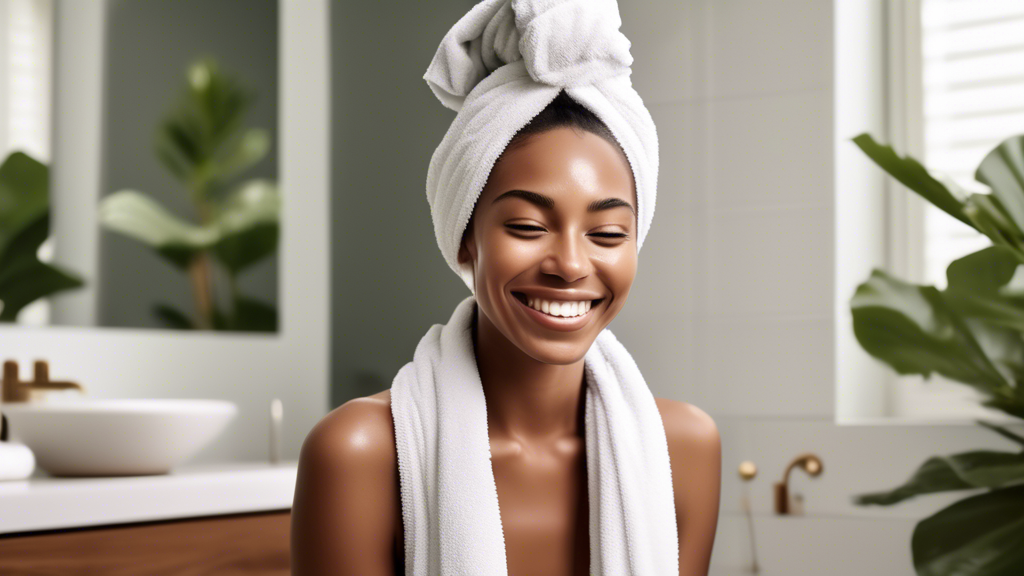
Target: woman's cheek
[513,253]
[619,268]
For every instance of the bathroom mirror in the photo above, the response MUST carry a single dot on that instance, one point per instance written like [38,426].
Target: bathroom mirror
[157,144]
[250,369]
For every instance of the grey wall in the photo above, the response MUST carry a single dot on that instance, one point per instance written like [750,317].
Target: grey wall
[149,45]
[389,281]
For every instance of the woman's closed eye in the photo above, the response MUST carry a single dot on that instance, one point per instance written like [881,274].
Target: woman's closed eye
[528,228]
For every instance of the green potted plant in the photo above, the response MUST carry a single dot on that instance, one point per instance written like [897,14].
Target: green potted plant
[204,144]
[970,332]
[24,226]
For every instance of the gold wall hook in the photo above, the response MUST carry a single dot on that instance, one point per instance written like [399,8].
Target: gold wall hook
[810,464]
[747,470]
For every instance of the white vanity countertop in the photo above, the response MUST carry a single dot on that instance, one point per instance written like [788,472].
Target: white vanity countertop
[46,503]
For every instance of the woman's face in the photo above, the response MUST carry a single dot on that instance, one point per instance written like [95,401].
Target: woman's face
[555,223]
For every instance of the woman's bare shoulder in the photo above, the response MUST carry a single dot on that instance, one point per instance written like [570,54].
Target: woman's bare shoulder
[347,489]
[361,428]
[684,421]
[695,451]
[694,443]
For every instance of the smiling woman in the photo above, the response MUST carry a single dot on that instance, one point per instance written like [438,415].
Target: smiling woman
[552,246]
[522,438]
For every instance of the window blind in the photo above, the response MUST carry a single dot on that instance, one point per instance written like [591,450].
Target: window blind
[25,64]
[973,97]
[26,55]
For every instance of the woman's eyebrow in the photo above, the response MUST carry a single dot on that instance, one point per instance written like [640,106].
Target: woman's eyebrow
[549,202]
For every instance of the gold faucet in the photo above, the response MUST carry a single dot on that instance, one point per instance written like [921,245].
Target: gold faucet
[810,464]
[12,389]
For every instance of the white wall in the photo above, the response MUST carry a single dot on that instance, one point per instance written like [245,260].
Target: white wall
[736,307]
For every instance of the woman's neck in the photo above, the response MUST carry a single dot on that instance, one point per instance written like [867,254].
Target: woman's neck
[528,401]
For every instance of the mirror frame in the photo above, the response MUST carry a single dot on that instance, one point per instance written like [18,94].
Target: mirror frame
[247,369]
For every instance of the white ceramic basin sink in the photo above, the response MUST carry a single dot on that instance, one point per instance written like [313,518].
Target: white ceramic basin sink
[116,437]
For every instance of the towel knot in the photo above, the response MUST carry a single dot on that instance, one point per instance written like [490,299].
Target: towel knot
[500,32]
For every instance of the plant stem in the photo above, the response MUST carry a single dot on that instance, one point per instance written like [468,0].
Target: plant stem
[202,292]
[233,284]
[199,268]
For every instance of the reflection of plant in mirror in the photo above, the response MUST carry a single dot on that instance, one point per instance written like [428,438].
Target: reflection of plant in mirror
[203,144]
[24,226]
[971,333]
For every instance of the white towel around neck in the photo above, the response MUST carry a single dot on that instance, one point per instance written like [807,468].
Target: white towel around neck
[448,493]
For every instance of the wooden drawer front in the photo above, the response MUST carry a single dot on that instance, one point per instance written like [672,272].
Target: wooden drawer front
[242,544]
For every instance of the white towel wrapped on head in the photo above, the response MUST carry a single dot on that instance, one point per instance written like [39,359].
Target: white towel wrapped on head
[498,67]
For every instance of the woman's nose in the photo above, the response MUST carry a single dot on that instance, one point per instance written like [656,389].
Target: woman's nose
[569,258]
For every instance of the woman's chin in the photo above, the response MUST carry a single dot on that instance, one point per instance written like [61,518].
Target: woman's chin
[557,353]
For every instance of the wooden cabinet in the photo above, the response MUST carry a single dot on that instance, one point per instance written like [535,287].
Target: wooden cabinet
[243,544]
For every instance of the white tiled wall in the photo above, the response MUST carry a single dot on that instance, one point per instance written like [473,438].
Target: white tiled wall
[769,150]
[734,307]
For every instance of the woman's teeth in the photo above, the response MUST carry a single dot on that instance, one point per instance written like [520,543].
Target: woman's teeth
[557,308]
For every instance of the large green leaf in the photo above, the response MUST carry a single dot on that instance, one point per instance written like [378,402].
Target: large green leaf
[24,195]
[988,216]
[913,330]
[1002,431]
[23,277]
[178,145]
[1013,406]
[29,283]
[24,246]
[978,286]
[914,176]
[968,470]
[1003,171]
[978,536]
[248,225]
[244,231]
[988,468]
[935,475]
[248,246]
[986,271]
[994,311]
[242,154]
[140,217]
[24,226]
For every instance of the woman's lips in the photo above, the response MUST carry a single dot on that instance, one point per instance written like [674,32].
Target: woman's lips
[555,322]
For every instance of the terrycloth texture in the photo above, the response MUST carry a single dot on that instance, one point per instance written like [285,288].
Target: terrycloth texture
[498,67]
[449,497]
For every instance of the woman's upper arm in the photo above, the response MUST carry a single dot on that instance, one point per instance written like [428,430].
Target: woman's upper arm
[696,453]
[343,515]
